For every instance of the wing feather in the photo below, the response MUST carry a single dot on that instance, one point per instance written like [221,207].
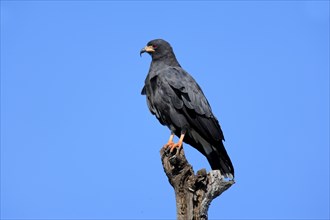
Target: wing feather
[189,97]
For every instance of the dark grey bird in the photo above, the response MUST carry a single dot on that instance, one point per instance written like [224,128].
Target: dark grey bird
[178,102]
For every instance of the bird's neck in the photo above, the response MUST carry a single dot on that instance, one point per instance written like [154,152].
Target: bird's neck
[167,60]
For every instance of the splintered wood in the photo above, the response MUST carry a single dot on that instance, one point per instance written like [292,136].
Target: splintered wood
[193,193]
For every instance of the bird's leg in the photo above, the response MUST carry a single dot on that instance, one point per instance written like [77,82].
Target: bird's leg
[170,141]
[179,144]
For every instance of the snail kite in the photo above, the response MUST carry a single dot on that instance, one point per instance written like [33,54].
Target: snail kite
[178,102]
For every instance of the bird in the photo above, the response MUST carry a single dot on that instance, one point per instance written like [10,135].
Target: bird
[179,103]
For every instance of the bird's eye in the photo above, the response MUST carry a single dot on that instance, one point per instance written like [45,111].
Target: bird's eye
[154,46]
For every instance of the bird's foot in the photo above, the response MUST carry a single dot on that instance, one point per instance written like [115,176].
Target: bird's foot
[168,144]
[175,146]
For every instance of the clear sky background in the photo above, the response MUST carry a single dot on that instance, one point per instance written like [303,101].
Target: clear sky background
[77,138]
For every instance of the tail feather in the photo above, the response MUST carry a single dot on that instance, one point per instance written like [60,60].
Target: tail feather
[215,153]
[219,160]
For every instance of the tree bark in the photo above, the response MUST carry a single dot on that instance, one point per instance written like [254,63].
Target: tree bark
[193,193]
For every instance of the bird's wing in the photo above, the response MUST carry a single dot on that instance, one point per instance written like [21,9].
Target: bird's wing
[189,98]
[150,99]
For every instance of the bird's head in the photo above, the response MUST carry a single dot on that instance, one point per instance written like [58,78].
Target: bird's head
[157,48]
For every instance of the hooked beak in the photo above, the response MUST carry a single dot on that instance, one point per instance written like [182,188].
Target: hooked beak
[148,49]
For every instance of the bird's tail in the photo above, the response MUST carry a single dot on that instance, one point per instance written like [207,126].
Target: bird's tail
[219,160]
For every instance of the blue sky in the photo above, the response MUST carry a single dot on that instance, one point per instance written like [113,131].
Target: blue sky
[78,141]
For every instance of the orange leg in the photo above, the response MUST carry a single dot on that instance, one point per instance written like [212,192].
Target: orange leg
[170,141]
[179,144]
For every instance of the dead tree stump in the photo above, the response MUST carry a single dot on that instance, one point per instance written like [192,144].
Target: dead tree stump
[193,193]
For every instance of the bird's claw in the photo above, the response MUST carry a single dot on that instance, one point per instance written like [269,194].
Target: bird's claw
[177,145]
[173,146]
[168,144]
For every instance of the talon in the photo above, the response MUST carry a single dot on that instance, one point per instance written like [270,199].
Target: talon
[173,145]
[177,145]
[170,141]
[168,144]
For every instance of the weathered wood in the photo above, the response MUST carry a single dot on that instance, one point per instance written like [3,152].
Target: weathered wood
[193,193]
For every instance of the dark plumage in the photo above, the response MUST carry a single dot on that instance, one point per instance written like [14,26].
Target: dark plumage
[178,102]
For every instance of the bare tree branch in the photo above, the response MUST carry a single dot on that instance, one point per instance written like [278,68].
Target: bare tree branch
[193,193]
